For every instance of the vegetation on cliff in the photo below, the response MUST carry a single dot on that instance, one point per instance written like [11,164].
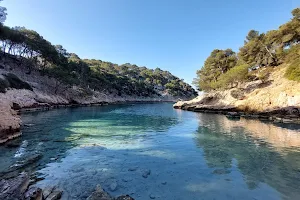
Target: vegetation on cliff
[224,69]
[30,49]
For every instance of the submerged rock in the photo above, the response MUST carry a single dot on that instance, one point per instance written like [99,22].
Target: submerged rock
[13,144]
[99,194]
[113,186]
[146,173]
[126,179]
[24,163]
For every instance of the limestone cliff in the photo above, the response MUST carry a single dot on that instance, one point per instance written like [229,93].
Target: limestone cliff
[275,95]
[21,91]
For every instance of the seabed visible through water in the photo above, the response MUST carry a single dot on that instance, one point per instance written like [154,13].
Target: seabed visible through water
[153,151]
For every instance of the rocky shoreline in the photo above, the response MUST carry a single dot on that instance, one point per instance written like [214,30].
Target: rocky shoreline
[283,115]
[275,99]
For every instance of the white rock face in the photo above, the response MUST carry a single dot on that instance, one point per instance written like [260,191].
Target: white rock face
[281,93]
[9,121]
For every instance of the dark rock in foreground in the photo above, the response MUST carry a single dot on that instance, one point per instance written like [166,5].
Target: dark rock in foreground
[17,189]
[34,193]
[13,189]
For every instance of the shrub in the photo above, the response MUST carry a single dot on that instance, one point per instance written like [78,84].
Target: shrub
[233,76]
[264,73]
[293,71]
[292,54]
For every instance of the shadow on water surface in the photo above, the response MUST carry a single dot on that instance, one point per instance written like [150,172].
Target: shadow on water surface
[189,155]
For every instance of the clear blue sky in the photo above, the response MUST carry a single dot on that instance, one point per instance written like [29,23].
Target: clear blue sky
[175,35]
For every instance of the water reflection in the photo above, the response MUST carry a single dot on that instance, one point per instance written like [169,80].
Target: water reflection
[264,153]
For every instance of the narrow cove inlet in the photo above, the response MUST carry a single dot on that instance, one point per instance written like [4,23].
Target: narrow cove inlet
[152,151]
[143,100]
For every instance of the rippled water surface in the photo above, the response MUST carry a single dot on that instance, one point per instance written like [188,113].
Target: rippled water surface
[153,150]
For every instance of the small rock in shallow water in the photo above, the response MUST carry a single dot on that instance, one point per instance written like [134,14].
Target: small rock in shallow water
[146,173]
[152,196]
[164,183]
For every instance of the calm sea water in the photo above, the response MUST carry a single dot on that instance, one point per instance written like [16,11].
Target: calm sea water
[153,150]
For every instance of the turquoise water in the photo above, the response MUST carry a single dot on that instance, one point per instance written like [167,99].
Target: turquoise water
[153,150]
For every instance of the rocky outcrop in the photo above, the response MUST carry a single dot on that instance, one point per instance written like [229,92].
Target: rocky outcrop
[275,98]
[33,193]
[14,189]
